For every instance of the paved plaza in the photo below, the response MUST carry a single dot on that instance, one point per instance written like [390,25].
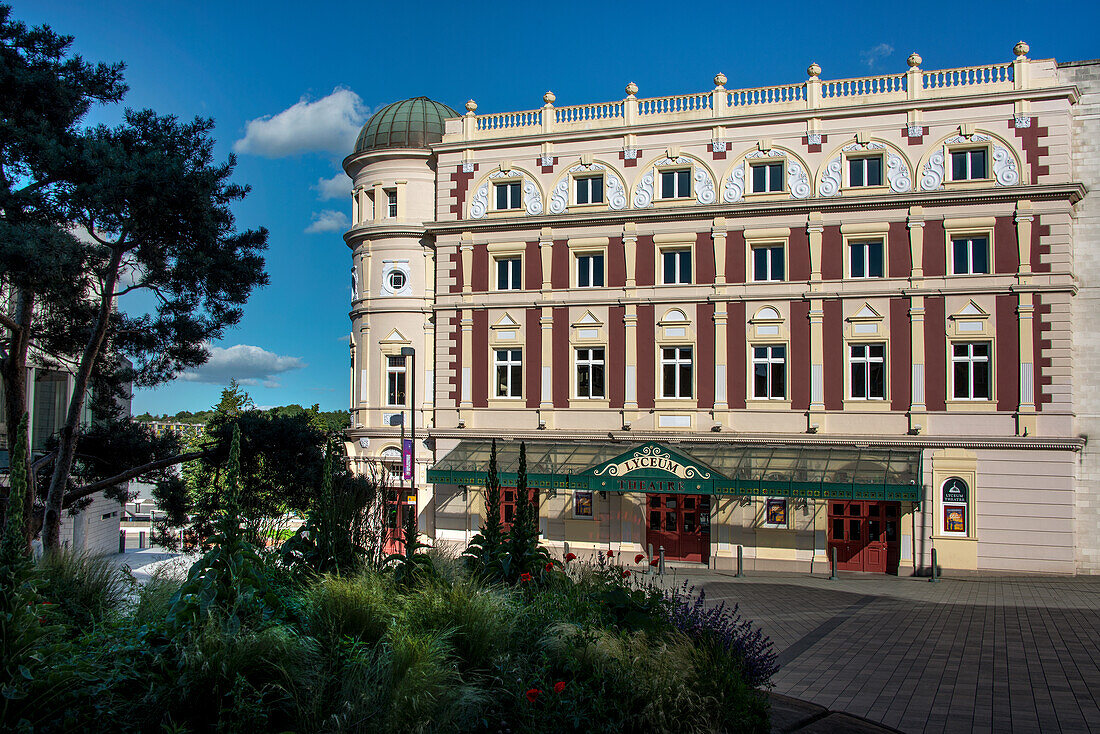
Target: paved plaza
[983,654]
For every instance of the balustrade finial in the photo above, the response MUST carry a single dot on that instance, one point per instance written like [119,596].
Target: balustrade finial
[814,70]
[471,106]
[1021,50]
[914,60]
[720,81]
[631,89]
[549,98]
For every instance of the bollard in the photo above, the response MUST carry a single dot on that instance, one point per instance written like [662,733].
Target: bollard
[740,561]
[563,555]
[649,556]
[141,540]
[934,578]
[661,563]
[122,540]
[834,577]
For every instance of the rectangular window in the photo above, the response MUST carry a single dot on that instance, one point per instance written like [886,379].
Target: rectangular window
[508,195]
[868,371]
[769,369]
[589,189]
[395,380]
[865,171]
[767,178]
[968,165]
[508,274]
[970,255]
[676,372]
[676,184]
[509,369]
[865,259]
[971,371]
[677,266]
[391,203]
[590,270]
[590,373]
[767,263]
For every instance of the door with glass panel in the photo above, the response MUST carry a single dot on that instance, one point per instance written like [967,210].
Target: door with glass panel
[865,535]
[681,524]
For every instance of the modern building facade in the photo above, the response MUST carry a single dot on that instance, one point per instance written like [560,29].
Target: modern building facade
[844,317]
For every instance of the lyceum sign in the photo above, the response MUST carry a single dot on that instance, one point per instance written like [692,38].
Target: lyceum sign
[651,458]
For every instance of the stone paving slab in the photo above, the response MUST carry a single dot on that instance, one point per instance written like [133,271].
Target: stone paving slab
[977,654]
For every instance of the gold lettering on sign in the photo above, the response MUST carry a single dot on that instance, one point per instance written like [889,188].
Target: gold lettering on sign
[652,457]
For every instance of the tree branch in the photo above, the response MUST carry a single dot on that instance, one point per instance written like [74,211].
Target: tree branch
[8,322]
[80,493]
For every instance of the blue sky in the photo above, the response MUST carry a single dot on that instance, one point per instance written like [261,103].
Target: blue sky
[307,75]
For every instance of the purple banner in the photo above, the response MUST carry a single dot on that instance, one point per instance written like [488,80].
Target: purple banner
[407,458]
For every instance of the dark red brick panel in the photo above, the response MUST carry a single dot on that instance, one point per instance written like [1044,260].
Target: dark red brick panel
[1006,255]
[646,356]
[833,351]
[481,363]
[560,264]
[1008,353]
[1043,362]
[1039,248]
[532,357]
[735,257]
[562,359]
[934,260]
[736,357]
[532,267]
[616,263]
[900,354]
[455,354]
[832,253]
[704,258]
[644,265]
[799,373]
[798,257]
[616,357]
[898,255]
[479,279]
[935,353]
[704,365]
[456,268]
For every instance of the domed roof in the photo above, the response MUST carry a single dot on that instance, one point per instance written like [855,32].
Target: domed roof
[411,123]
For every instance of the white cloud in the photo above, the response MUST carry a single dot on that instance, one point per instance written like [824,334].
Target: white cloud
[875,54]
[329,124]
[244,363]
[328,220]
[337,187]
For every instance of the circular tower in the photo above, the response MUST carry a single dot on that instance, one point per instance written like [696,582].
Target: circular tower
[393,273]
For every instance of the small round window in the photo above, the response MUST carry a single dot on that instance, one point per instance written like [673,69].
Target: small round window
[397,280]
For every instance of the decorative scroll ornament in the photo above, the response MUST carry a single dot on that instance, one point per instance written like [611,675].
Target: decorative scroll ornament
[797,180]
[630,154]
[770,153]
[870,145]
[813,138]
[559,200]
[1023,121]
[1004,167]
[704,186]
[934,171]
[718,146]
[480,204]
[897,174]
[651,457]
[616,194]
[467,167]
[972,138]
[830,178]
[914,130]
[734,189]
[546,160]
[643,197]
[533,198]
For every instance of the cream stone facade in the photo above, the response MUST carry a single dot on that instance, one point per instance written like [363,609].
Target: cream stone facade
[843,317]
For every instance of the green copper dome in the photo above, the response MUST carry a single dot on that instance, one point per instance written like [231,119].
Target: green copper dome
[412,123]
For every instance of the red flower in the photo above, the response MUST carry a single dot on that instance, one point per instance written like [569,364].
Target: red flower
[549,566]
[570,557]
[533,694]
[610,553]
[626,572]
[525,577]
[638,558]
[655,561]
[559,686]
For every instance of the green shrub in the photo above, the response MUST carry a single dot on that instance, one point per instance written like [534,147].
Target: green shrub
[360,608]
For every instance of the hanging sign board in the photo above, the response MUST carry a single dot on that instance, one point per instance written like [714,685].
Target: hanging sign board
[407,458]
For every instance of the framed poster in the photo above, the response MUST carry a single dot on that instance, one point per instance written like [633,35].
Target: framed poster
[954,519]
[582,504]
[954,499]
[775,513]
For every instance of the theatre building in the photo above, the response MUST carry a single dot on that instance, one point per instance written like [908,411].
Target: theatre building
[854,315]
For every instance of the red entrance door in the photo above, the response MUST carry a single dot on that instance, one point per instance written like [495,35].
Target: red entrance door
[865,535]
[681,524]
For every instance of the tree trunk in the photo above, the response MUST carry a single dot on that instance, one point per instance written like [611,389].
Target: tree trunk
[14,372]
[66,447]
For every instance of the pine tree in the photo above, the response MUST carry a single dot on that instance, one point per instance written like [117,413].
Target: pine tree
[492,532]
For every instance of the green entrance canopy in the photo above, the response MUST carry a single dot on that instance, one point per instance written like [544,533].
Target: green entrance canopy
[699,468]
